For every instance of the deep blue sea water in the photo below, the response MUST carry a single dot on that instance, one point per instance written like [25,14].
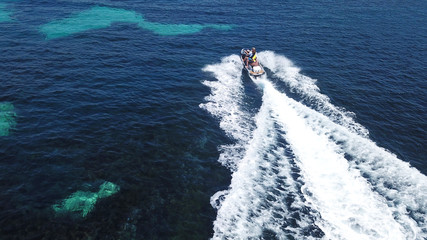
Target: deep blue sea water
[150,99]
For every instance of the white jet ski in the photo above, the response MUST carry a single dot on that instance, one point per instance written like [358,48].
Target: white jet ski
[254,71]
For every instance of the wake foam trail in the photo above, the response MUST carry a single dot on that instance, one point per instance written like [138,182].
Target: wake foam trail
[225,102]
[348,207]
[306,170]
[287,72]
[263,198]
[403,187]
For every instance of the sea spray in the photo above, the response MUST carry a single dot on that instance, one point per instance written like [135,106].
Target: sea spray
[284,69]
[348,207]
[263,198]
[403,187]
[225,103]
[350,186]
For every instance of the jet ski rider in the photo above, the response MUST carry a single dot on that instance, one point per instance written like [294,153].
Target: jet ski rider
[251,58]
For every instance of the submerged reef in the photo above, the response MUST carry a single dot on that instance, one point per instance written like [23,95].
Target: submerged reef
[4,13]
[83,202]
[7,118]
[102,17]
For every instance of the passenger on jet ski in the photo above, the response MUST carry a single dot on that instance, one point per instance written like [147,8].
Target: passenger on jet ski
[244,55]
[253,61]
[250,57]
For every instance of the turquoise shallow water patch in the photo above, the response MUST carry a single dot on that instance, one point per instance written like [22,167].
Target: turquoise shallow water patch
[4,13]
[177,29]
[83,202]
[102,17]
[7,118]
[94,18]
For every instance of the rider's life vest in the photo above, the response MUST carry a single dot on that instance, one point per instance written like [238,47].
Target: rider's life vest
[253,58]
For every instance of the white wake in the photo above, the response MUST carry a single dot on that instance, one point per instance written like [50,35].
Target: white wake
[303,171]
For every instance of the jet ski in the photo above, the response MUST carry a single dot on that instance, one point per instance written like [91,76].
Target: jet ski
[254,71]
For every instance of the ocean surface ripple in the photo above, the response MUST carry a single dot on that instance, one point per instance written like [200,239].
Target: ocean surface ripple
[135,120]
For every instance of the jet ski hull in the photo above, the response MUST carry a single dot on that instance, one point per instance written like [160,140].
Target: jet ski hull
[254,71]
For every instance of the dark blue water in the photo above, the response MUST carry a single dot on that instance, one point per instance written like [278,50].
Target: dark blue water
[120,104]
